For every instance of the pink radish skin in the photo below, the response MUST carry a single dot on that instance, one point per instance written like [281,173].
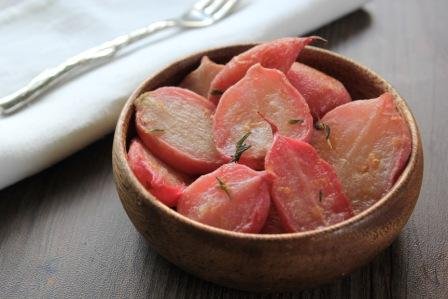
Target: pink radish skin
[371,144]
[278,54]
[322,92]
[273,223]
[162,181]
[243,208]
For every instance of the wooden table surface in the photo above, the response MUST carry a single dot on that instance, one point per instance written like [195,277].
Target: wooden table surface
[63,232]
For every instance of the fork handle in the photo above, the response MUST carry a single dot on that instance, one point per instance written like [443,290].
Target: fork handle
[42,81]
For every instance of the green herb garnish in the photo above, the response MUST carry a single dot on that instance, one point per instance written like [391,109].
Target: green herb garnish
[241,147]
[157,130]
[326,128]
[294,121]
[223,187]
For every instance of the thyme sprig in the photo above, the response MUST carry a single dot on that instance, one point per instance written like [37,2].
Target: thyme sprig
[294,121]
[321,126]
[156,130]
[241,147]
[223,187]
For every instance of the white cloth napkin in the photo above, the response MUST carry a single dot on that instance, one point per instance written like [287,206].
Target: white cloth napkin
[36,34]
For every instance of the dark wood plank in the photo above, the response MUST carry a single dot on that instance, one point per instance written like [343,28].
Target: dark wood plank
[63,232]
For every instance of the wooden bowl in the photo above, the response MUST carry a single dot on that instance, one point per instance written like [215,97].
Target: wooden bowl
[269,262]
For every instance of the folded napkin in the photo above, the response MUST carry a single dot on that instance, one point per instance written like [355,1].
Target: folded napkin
[37,34]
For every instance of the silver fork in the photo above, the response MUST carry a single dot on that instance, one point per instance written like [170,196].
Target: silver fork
[202,13]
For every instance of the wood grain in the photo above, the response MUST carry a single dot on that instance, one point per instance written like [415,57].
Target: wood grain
[63,232]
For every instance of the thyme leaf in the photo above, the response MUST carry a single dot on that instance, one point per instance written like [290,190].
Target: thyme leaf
[321,126]
[241,147]
[157,130]
[223,187]
[294,121]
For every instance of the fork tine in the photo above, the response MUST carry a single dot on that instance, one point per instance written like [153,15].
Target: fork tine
[213,7]
[199,5]
[224,9]
[206,12]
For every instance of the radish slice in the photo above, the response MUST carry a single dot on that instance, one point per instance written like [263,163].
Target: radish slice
[321,92]
[176,125]
[233,197]
[278,54]
[370,145]
[199,80]
[305,189]
[273,224]
[162,181]
[262,92]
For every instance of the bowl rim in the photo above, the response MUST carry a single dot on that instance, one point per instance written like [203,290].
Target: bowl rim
[120,146]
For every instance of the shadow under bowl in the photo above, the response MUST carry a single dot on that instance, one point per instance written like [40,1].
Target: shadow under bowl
[278,262]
